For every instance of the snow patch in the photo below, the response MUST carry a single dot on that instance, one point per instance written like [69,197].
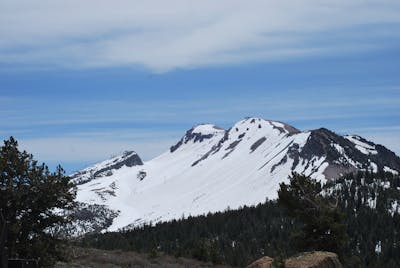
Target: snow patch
[374,167]
[207,129]
[378,247]
[362,146]
[388,169]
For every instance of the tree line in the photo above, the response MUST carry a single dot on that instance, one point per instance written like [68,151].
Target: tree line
[363,232]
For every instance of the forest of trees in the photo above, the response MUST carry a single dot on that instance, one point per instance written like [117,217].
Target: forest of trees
[238,237]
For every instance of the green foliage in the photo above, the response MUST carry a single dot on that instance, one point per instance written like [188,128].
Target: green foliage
[323,224]
[29,197]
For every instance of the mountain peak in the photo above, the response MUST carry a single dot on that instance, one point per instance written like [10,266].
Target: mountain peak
[257,122]
[104,169]
[199,133]
[207,129]
[210,169]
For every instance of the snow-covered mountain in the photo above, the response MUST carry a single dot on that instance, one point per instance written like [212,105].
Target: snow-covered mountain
[211,169]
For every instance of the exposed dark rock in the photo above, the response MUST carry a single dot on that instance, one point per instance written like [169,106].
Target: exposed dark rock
[276,155]
[129,159]
[291,129]
[386,157]
[293,152]
[173,148]
[195,136]
[214,149]
[286,128]
[341,154]
[283,161]
[141,175]
[190,135]
[255,145]
[231,147]
[320,144]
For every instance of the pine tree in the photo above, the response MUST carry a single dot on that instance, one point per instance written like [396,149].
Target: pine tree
[323,225]
[30,196]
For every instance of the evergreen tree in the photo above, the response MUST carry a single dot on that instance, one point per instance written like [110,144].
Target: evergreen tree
[30,199]
[323,225]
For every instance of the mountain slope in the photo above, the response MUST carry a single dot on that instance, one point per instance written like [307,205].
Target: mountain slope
[211,169]
[105,168]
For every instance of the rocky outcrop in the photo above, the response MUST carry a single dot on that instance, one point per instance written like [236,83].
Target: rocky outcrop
[195,135]
[264,262]
[105,168]
[315,259]
[129,159]
[347,154]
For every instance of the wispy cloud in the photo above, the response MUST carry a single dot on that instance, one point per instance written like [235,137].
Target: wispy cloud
[164,35]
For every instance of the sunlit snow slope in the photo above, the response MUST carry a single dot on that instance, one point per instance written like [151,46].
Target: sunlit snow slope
[211,169]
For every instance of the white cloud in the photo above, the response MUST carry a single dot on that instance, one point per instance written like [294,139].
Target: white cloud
[164,35]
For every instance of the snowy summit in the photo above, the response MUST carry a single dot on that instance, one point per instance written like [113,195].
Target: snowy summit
[210,169]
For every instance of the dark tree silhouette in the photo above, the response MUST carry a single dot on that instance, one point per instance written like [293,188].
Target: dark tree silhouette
[31,198]
[323,224]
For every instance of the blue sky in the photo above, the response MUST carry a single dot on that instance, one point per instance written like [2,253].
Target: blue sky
[79,86]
